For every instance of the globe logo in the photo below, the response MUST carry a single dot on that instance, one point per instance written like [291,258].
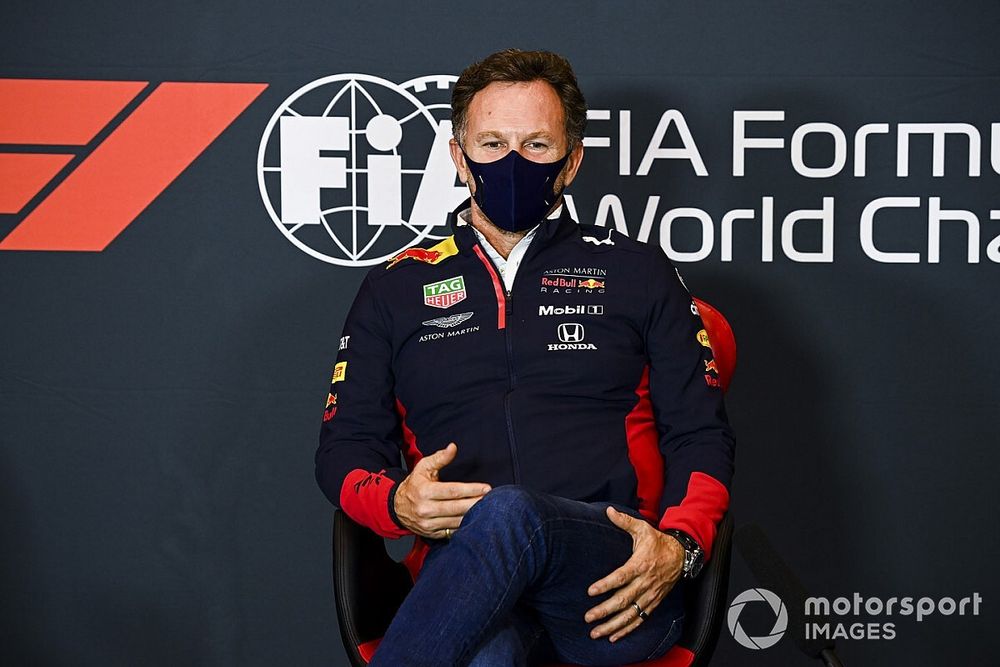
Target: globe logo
[353,168]
[757,595]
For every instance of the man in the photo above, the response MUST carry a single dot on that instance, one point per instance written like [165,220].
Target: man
[551,388]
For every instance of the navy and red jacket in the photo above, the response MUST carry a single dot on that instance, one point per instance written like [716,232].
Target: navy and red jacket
[591,380]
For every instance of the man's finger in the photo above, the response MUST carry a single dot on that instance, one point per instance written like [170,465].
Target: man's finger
[438,527]
[636,622]
[623,613]
[621,519]
[616,579]
[620,601]
[430,465]
[439,523]
[454,490]
[648,602]
[453,508]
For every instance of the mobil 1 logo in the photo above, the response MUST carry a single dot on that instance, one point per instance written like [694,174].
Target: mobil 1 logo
[571,310]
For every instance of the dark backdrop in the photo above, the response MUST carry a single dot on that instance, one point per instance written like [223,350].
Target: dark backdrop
[160,400]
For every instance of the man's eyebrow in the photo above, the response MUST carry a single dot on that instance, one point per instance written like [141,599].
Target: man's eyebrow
[541,134]
[496,134]
[488,134]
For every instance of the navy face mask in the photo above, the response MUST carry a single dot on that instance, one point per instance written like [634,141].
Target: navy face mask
[514,192]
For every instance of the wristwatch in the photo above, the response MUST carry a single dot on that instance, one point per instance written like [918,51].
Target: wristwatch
[694,557]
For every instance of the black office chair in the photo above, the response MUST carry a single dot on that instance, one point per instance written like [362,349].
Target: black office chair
[369,585]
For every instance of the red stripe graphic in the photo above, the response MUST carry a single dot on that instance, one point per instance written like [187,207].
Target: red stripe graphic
[497,288]
[644,450]
[412,453]
[22,175]
[132,166]
[65,113]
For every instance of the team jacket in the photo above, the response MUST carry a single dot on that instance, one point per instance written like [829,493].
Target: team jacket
[592,379]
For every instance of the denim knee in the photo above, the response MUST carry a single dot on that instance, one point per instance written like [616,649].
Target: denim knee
[507,505]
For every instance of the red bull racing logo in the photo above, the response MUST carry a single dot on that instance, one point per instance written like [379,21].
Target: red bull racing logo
[331,407]
[574,280]
[589,283]
[432,255]
[419,254]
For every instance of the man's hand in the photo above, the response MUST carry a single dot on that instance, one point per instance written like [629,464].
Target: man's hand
[645,578]
[431,508]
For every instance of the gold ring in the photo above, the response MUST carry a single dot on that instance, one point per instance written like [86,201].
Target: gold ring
[447,533]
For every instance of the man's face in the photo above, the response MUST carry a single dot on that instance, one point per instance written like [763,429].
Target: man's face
[523,117]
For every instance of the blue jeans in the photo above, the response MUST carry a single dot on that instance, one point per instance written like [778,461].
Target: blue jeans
[510,589]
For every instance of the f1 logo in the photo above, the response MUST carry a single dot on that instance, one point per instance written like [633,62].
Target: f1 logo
[570,332]
[49,128]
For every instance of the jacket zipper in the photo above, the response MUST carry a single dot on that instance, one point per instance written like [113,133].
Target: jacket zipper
[511,380]
[504,309]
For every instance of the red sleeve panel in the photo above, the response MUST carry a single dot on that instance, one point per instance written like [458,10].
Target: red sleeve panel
[701,510]
[365,497]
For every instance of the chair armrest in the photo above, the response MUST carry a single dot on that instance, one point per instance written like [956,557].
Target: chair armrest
[705,602]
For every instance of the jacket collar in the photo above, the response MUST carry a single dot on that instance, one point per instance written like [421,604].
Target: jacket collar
[466,239]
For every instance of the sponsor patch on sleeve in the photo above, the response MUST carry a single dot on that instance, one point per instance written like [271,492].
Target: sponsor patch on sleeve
[331,407]
[339,372]
[433,255]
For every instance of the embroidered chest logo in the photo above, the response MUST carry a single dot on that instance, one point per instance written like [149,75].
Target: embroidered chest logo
[446,293]
[448,321]
[574,280]
[571,335]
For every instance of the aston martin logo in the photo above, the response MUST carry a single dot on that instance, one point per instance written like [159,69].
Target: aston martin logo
[447,322]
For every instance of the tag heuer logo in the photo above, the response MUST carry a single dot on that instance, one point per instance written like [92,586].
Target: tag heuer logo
[446,293]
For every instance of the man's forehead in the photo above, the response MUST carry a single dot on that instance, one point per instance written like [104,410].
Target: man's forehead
[503,103]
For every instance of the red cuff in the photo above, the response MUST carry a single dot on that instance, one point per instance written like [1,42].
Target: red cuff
[365,498]
[700,511]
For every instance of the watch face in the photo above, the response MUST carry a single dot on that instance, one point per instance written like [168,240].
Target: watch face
[693,561]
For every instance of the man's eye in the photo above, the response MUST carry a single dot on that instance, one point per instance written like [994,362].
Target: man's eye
[536,145]
[493,144]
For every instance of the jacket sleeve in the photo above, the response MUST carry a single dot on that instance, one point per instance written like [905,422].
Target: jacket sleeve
[694,434]
[358,463]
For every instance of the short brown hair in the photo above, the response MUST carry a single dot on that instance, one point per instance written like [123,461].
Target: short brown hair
[517,66]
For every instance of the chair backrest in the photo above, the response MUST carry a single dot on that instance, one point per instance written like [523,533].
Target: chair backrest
[722,340]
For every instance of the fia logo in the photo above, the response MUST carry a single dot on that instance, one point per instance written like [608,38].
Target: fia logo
[353,168]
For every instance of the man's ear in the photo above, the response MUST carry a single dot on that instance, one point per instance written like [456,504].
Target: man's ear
[458,157]
[573,164]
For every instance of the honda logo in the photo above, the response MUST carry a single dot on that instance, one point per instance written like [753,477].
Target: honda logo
[570,332]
